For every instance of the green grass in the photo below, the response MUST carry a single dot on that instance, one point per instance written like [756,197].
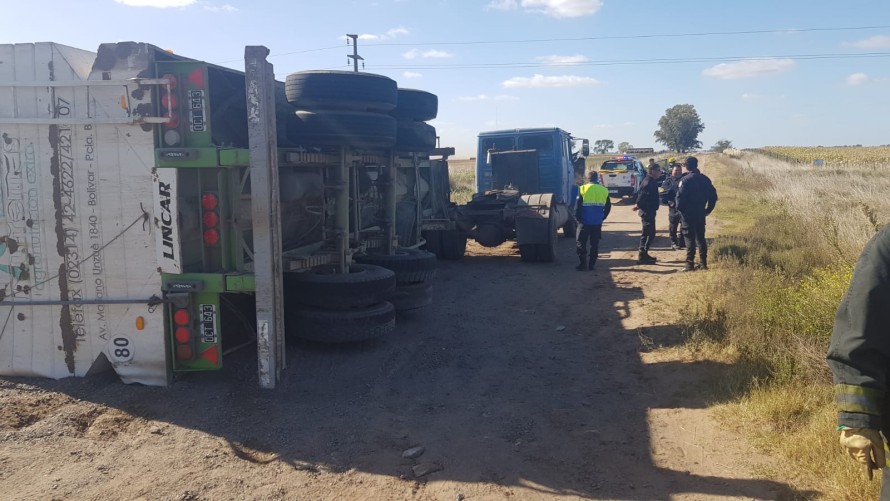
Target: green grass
[768,305]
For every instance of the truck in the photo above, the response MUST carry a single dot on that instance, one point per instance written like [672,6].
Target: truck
[158,211]
[525,191]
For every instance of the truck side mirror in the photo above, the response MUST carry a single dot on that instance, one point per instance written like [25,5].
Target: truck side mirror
[585,148]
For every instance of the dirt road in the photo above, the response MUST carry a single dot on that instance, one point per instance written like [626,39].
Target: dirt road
[521,381]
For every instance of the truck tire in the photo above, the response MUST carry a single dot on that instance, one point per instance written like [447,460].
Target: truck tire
[415,136]
[322,287]
[347,128]
[341,90]
[346,326]
[411,297]
[416,105]
[411,266]
[454,245]
[528,252]
[547,252]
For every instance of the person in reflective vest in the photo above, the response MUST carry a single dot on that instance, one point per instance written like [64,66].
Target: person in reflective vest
[591,209]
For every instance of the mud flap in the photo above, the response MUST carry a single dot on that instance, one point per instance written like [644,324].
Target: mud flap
[533,214]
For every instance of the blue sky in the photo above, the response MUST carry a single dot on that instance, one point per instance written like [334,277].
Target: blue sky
[601,69]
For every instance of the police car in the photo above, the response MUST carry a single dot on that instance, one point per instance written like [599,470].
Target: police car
[622,175]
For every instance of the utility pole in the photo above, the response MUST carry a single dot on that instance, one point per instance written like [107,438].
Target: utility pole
[354,56]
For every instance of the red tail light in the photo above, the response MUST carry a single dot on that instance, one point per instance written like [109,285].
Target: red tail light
[181,317]
[169,102]
[210,218]
[182,334]
[174,120]
[211,237]
[209,201]
[184,352]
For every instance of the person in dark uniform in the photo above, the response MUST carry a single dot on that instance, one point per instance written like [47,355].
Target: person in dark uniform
[859,358]
[646,206]
[696,198]
[592,208]
[668,192]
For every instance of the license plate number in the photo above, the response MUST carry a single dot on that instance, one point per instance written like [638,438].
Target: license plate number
[613,191]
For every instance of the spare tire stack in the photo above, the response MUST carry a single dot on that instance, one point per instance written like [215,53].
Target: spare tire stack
[341,108]
[413,109]
[361,110]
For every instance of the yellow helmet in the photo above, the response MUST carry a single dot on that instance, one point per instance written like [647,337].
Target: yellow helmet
[672,160]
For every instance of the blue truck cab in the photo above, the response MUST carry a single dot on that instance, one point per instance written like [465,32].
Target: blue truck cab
[525,189]
[553,173]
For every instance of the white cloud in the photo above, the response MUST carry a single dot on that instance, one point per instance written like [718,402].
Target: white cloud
[539,81]
[221,8]
[557,60]
[747,96]
[411,74]
[875,42]
[161,4]
[554,8]
[388,35]
[749,68]
[427,54]
[480,97]
[857,79]
[503,5]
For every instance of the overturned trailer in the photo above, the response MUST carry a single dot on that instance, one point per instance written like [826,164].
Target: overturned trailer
[160,211]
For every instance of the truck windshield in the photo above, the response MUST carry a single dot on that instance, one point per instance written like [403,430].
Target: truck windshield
[540,143]
[499,144]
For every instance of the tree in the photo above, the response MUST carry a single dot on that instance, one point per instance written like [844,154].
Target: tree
[623,146]
[602,146]
[721,145]
[679,128]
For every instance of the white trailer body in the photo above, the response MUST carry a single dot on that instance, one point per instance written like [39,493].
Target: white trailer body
[81,246]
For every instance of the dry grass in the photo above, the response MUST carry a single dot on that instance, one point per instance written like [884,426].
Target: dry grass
[463,179]
[789,235]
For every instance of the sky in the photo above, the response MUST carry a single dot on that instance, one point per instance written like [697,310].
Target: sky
[758,72]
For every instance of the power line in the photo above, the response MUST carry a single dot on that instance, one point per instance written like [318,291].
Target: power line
[616,62]
[630,37]
[580,39]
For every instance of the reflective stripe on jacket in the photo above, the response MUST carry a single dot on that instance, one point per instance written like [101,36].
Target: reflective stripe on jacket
[594,198]
[859,352]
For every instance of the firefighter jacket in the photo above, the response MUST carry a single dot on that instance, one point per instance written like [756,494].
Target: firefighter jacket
[647,198]
[859,353]
[696,196]
[593,205]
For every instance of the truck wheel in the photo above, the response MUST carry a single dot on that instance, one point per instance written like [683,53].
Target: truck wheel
[547,252]
[454,245]
[411,297]
[416,105]
[570,229]
[410,266]
[352,128]
[528,252]
[323,287]
[346,326]
[341,90]
[415,136]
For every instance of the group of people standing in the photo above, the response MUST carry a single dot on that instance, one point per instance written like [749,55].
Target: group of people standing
[689,195]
